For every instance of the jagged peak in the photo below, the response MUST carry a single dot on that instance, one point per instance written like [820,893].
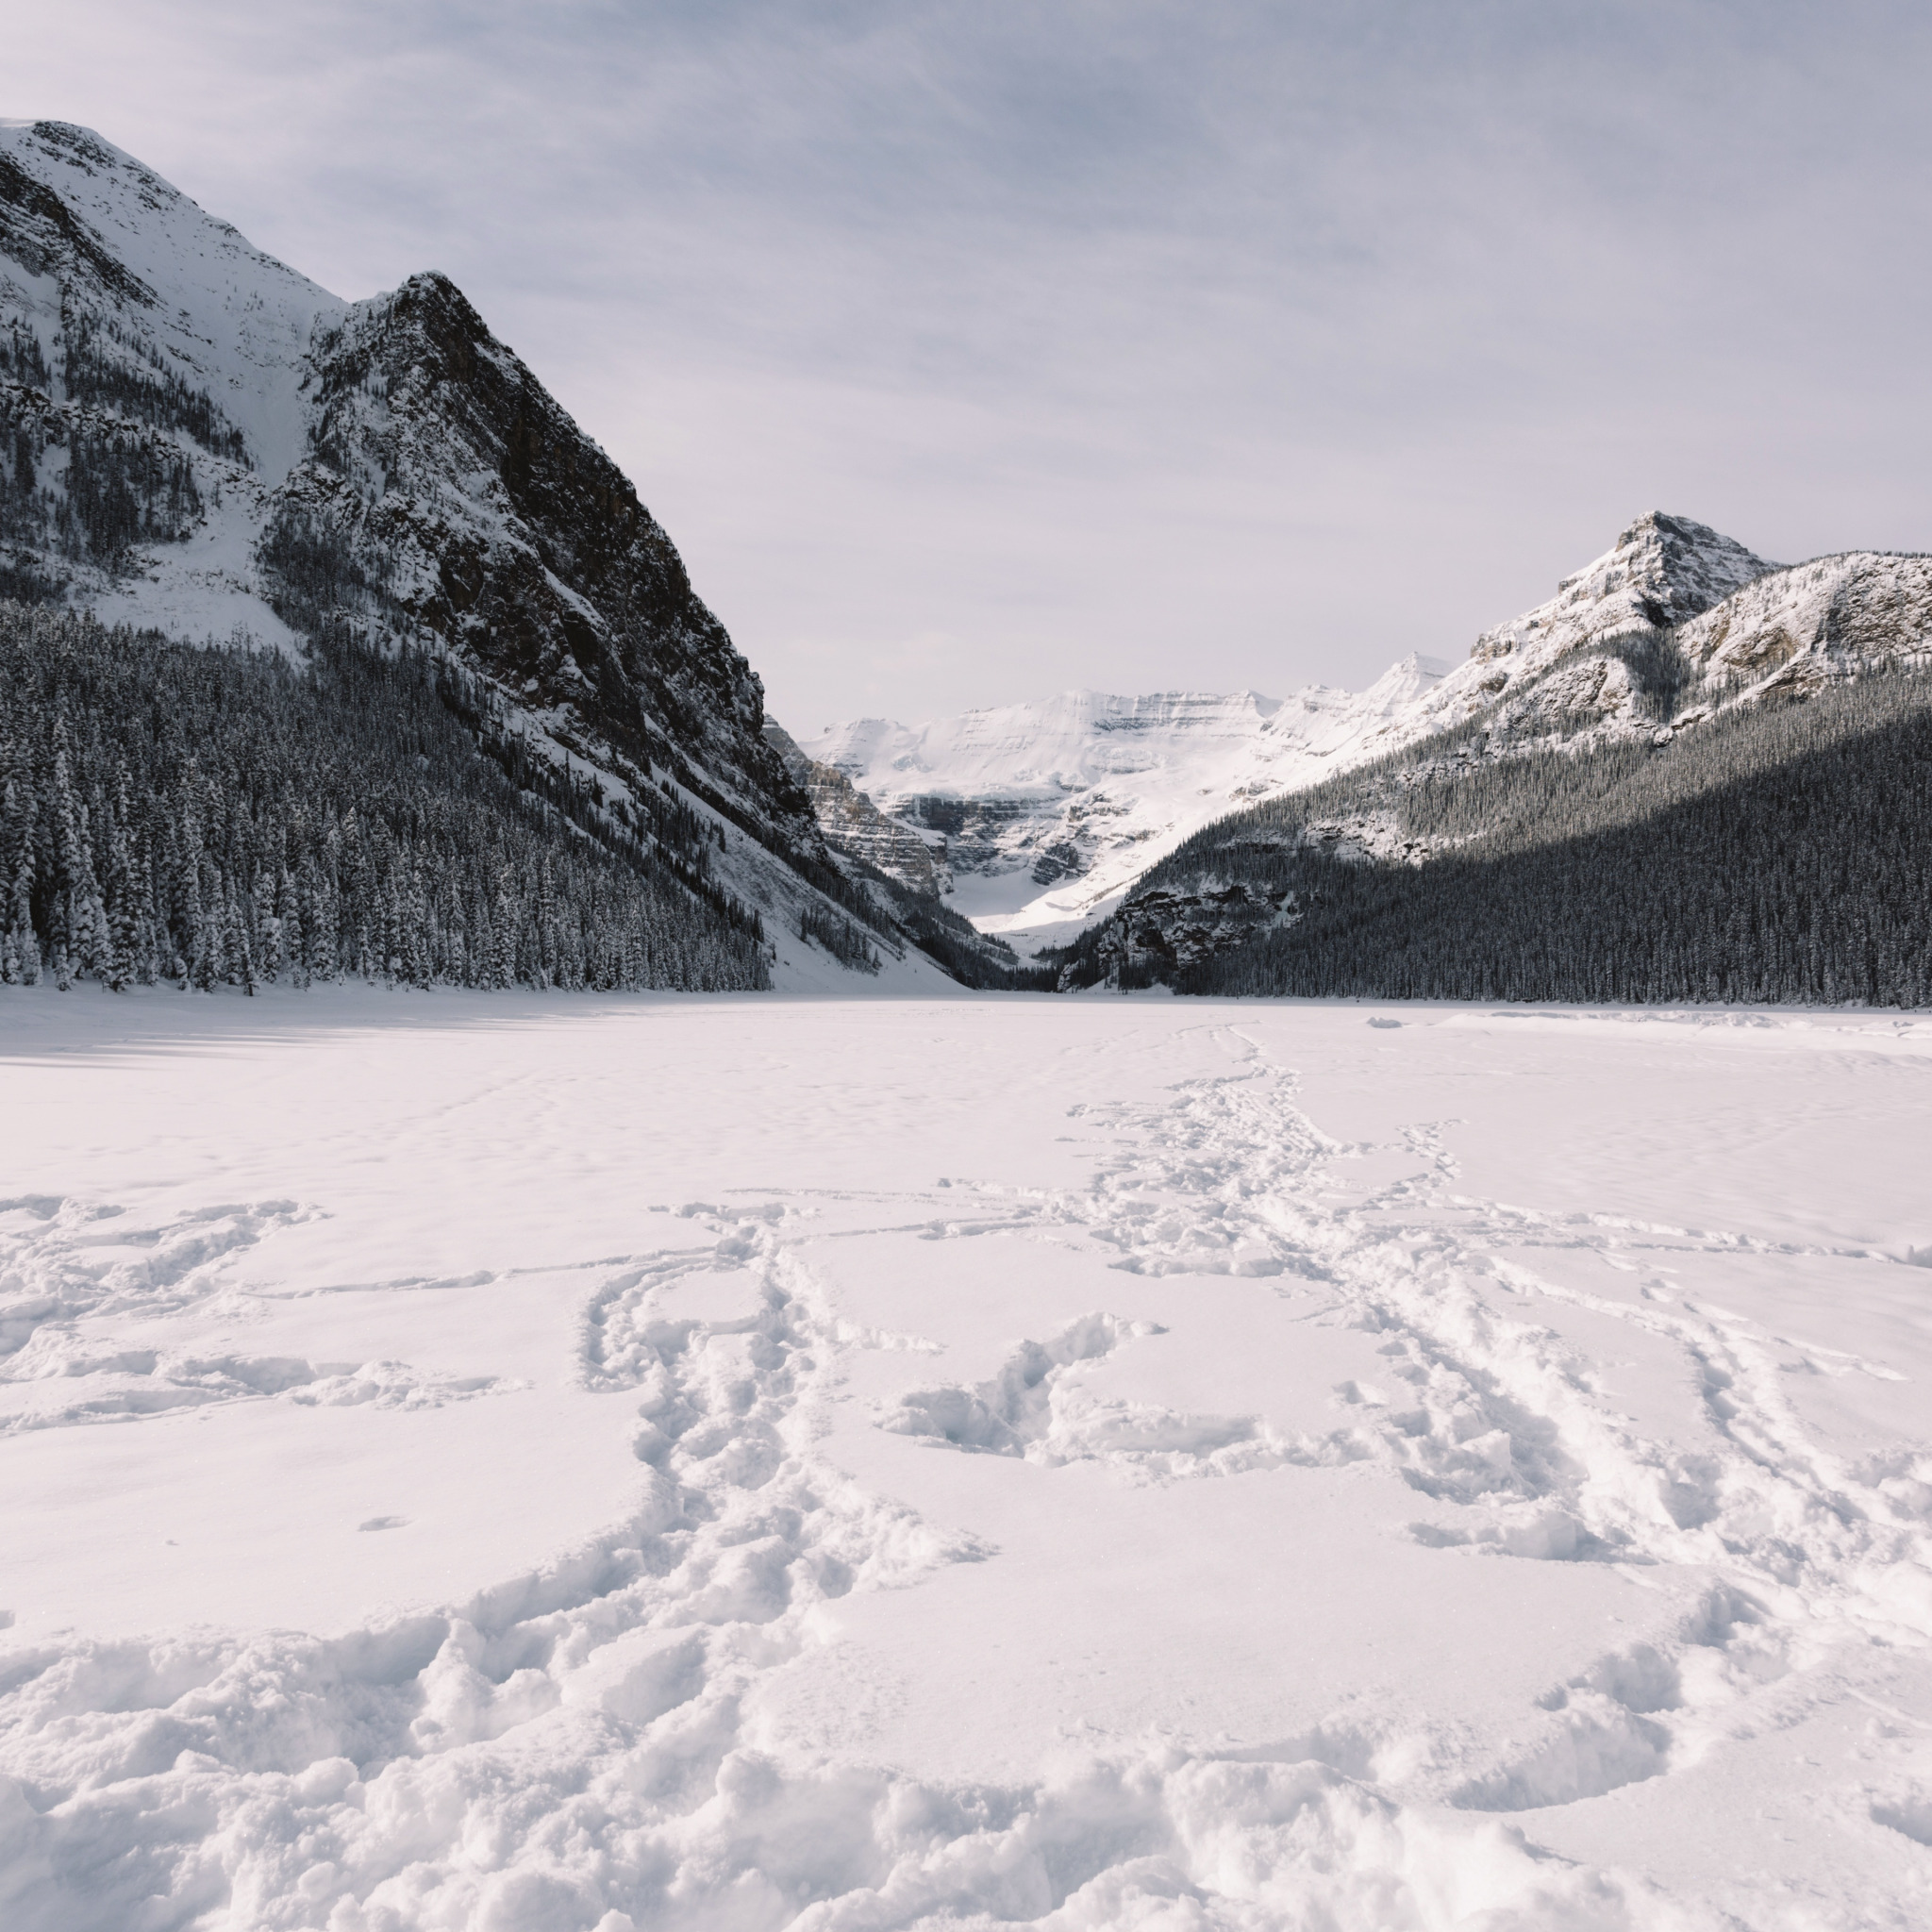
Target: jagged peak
[1662,570]
[82,147]
[1662,524]
[1679,561]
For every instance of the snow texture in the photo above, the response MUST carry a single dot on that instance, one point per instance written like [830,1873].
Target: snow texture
[750,1462]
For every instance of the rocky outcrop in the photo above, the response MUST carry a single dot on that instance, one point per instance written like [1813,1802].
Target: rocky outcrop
[1792,630]
[1161,929]
[451,492]
[1661,571]
[852,824]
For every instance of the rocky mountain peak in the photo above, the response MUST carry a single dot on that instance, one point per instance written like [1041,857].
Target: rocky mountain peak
[1661,571]
[207,441]
[201,442]
[471,504]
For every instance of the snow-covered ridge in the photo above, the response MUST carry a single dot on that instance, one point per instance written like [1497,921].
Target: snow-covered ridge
[1802,625]
[132,320]
[183,287]
[204,442]
[1053,810]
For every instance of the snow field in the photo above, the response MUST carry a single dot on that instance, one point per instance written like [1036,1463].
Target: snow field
[516,1462]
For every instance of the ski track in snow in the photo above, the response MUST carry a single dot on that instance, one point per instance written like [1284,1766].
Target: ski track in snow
[568,1749]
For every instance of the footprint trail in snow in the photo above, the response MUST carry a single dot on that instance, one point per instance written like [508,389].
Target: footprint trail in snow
[572,1747]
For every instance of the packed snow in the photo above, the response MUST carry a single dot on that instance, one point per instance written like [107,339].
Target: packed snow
[506,1462]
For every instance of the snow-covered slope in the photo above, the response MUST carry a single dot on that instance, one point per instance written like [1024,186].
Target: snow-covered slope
[200,440]
[134,327]
[86,228]
[1796,630]
[1053,810]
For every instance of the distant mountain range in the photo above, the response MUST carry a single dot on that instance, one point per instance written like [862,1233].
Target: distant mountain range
[1040,816]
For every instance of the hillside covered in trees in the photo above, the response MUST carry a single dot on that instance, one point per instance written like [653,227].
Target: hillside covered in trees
[1780,851]
[197,443]
[210,817]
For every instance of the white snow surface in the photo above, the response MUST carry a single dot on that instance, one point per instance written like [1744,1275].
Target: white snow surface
[502,1462]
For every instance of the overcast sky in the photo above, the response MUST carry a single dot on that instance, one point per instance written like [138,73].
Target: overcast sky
[974,351]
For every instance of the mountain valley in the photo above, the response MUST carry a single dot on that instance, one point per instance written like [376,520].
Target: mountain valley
[202,445]
[1179,1313]
[1141,838]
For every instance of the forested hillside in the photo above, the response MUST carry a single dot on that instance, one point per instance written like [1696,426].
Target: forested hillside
[221,816]
[1777,852]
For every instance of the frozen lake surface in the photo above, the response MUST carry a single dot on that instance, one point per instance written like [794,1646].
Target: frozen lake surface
[514,1464]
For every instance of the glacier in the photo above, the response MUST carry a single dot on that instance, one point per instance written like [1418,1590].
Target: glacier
[1050,810]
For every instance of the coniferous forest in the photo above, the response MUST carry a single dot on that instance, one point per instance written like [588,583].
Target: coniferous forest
[223,817]
[208,817]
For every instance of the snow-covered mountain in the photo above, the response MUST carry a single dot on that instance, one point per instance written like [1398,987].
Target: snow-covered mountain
[1052,810]
[1677,618]
[1689,774]
[200,440]
[1048,811]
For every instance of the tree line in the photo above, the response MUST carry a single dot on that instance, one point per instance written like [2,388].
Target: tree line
[206,817]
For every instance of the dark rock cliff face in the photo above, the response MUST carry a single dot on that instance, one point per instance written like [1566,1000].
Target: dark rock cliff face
[1162,930]
[449,487]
